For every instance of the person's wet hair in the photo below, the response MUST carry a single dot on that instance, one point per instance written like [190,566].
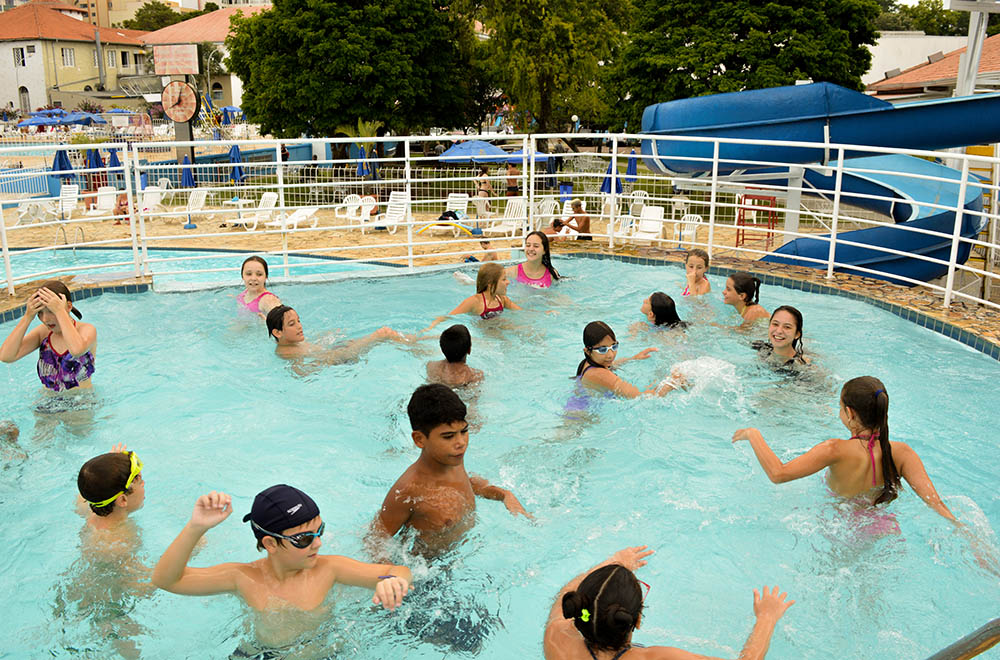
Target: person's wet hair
[259,260]
[433,405]
[276,320]
[797,315]
[456,343]
[867,397]
[58,288]
[746,285]
[697,252]
[546,253]
[612,598]
[103,476]
[593,333]
[664,310]
[488,277]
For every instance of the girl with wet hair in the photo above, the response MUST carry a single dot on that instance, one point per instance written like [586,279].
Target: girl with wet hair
[866,467]
[255,298]
[784,333]
[112,486]
[600,348]
[661,311]
[596,614]
[695,267]
[491,296]
[65,347]
[537,269]
[742,292]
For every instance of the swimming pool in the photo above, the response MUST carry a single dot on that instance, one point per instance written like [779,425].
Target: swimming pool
[198,393]
[161,262]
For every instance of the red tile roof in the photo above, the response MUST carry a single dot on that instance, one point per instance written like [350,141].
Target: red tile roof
[41,20]
[942,72]
[212,27]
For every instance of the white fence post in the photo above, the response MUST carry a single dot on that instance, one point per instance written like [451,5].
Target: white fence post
[282,213]
[131,196]
[6,252]
[956,235]
[836,214]
[409,196]
[712,197]
[614,192]
[533,141]
[527,176]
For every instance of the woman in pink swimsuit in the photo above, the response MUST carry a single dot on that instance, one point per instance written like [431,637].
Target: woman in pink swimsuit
[256,299]
[65,347]
[866,466]
[536,270]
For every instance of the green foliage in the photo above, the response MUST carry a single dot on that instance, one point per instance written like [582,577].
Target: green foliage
[87,105]
[210,64]
[684,48]
[309,67]
[931,17]
[153,15]
[551,53]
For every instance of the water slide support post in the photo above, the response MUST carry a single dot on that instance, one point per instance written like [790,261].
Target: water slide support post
[956,236]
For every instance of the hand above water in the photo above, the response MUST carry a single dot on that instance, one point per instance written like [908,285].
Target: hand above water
[390,591]
[744,434]
[211,509]
[632,558]
[770,605]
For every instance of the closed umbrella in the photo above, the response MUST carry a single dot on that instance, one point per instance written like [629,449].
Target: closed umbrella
[363,169]
[94,162]
[632,169]
[236,173]
[606,186]
[187,181]
[115,166]
[61,166]
[225,117]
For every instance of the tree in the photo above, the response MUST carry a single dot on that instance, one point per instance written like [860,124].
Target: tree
[309,67]
[931,17]
[552,51]
[684,48]
[153,15]
[210,64]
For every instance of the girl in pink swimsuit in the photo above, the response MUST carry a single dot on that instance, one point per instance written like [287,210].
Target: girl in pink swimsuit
[490,299]
[536,270]
[866,466]
[256,298]
[695,267]
[65,347]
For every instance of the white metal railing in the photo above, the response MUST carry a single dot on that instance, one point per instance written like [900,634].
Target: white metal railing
[322,173]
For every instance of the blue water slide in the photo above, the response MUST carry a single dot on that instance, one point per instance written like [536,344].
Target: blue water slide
[825,113]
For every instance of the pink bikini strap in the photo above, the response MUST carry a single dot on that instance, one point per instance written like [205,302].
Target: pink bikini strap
[872,439]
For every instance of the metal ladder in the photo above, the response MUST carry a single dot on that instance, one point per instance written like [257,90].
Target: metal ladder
[61,229]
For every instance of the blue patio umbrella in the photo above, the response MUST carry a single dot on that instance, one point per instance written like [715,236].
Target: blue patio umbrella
[51,112]
[39,121]
[187,176]
[115,166]
[363,169]
[633,168]
[61,166]
[225,118]
[94,162]
[475,151]
[120,111]
[236,173]
[82,118]
[5,115]
[606,186]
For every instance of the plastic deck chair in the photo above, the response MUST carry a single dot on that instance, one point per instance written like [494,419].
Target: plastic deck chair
[457,203]
[299,215]
[687,229]
[264,210]
[650,227]
[69,197]
[195,203]
[152,199]
[545,213]
[104,203]
[163,183]
[350,209]
[514,218]
[397,211]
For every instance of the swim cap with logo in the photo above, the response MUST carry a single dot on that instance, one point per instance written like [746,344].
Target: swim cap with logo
[279,508]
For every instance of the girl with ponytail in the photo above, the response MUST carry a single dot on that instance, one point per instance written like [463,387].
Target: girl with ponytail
[742,292]
[537,269]
[595,615]
[865,466]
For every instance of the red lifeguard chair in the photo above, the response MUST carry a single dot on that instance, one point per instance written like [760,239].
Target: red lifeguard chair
[754,212]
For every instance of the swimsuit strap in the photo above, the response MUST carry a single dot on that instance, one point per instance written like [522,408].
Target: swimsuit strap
[617,655]
[687,291]
[871,440]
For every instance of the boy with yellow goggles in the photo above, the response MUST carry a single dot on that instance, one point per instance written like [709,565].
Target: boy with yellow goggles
[105,478]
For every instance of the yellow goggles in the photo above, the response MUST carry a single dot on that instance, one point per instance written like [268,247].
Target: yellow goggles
[135,469]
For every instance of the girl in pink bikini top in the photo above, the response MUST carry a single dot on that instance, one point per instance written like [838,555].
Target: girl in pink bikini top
[490,299]
[537,259]
[256,298]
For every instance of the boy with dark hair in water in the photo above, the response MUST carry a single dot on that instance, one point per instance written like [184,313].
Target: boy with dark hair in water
[436,496]
[456,344]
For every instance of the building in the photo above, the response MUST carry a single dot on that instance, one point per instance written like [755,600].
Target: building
[897,51]
[937,77]
[54,50]
[213,27]
[108,13]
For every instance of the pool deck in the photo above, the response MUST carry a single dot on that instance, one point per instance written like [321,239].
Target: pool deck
[975,325]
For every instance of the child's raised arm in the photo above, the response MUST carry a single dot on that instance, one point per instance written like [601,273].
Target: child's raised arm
[822,455]
[20,342]
[484,489]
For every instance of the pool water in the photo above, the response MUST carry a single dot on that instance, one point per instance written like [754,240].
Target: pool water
[197,391]
[170,275]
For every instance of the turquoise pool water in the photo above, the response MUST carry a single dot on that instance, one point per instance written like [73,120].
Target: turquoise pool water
[168,266]
[199,394]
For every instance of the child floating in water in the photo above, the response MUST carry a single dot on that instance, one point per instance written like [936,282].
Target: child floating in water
[456,344]
[436,496]
[256,299]
[284,326]
[742,291]
[65,348]
[288,527]
[866,466]
[695,267]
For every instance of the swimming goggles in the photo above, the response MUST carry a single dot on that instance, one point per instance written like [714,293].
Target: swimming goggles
[135,468]
[604,349]
[301,540]
[646,585]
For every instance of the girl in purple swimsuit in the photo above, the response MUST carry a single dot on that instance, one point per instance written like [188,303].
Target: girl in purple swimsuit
[65,347]
[256,299]
[866,466]
[600,350]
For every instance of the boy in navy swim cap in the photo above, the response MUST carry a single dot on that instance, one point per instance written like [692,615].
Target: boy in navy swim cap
[287,525]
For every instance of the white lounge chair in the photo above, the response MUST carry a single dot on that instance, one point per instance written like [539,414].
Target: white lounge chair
[195,203]
[263,212]
[687,229]
[350,209]
[104,202]
[514,218]
[35,211]
[650,227]
[396,211]
[482,205]
[368,204]
[163,183]
[545,212]
[151,199]
[457,203]
[69,197]
[299,215]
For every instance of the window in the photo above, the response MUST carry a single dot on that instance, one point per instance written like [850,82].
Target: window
[69,57]
[95,58]
[18,57]
[124,59]
[216,91]
[111,59]
[31,50]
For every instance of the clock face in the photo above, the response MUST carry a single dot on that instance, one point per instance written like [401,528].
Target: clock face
[180,101]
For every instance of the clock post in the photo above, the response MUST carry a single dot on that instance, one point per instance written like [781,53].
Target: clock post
[181,104]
